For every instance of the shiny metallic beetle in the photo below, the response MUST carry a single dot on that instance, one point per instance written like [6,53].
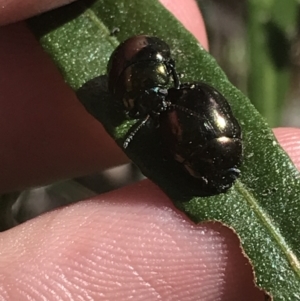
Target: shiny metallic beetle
[139,72]
[194,120]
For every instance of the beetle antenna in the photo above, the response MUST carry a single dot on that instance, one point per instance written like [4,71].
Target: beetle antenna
[176,78]
[174,73]
[133,133]
[186,110]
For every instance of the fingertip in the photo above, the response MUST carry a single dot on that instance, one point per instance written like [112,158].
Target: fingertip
[289,139]
[113,235]
[190,16]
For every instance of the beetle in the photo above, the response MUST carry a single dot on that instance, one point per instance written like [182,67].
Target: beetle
[202,134]
[194,120]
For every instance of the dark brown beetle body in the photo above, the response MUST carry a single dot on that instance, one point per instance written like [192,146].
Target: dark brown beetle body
[202,134]
[196,124]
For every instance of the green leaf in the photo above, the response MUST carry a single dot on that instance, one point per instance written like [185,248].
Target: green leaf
[262,207]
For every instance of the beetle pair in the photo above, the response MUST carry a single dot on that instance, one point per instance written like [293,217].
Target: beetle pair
[195,121]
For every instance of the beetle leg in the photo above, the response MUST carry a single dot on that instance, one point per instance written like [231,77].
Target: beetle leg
[133,133]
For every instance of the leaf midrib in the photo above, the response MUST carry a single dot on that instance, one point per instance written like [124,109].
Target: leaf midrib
[266,221]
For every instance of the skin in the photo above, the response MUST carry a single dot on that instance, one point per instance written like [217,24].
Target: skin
[128,243]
